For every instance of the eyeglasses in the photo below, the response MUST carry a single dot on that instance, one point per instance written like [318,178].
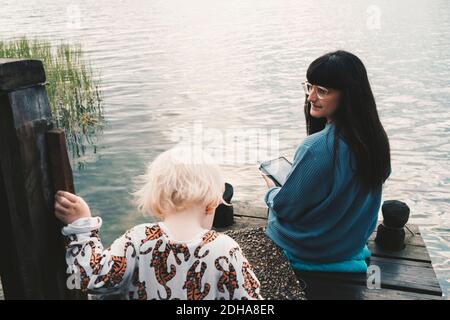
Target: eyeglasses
[321,92]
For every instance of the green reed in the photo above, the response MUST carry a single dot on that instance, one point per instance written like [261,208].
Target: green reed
[72,87]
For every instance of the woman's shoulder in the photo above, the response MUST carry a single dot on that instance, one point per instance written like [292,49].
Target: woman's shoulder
[314,144]
[318,150]
[320,137]
[322,141]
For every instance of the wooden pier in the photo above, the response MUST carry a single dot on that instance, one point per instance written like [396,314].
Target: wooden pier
[34,164]
[405,275]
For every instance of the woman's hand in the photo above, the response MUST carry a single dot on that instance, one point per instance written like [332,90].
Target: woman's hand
[69,207]
[269,181]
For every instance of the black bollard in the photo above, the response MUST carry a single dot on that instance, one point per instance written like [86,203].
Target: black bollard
[224,215]
[391,233]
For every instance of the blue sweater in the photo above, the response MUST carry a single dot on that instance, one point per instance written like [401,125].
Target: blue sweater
[321,217]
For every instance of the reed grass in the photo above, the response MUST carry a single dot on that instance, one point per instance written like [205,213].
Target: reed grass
[72,87]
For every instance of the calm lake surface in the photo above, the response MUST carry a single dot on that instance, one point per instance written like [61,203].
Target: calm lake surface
[223,68]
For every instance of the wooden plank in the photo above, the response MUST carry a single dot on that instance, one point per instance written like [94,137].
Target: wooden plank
[324,289]
[251,211]
[12,278]
[407,275]
[414,238]
[18,272]
[414,253]
[60,169]
[20,73]
[396,274]
[321,284]
[60,173]
[35,267]
[413,228]
[241,222]
[388,294]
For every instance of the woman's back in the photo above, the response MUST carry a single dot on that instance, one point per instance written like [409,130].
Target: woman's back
[322,214]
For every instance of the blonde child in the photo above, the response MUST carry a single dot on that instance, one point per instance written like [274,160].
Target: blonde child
[179,257]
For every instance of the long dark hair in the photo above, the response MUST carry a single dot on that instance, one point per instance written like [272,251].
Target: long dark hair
[356,117]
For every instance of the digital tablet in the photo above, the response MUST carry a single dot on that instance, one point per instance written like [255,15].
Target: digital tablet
[276,169]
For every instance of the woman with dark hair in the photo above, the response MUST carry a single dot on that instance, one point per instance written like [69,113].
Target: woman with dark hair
[325,212]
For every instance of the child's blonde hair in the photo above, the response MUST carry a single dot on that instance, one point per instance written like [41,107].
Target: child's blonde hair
[179,178]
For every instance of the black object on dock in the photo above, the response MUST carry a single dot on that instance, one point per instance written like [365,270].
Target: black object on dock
[391,233]
[224,215]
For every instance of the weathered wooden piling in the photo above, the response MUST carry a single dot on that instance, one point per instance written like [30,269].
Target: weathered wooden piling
[32,252]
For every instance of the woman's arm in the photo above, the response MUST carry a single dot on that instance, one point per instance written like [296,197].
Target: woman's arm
[305,186]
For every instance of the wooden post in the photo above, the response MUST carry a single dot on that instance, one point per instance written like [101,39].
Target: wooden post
[59,161]
[32,252]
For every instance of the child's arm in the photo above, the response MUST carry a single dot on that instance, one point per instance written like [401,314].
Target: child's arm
[248,286]
[92,268]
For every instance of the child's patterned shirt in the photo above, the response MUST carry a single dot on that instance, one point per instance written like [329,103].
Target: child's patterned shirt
[145,263]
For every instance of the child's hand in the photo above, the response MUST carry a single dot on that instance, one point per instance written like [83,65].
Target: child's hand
[69,207]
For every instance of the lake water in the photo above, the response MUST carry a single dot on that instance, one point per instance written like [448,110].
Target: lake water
[224,68]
